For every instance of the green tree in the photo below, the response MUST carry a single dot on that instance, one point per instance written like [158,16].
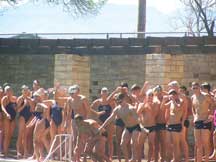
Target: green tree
[76,7]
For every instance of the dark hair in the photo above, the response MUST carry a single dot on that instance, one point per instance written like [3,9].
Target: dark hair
[207,86]
[78,117]
[195,84]
[124,84]
[183,88]
[120,96]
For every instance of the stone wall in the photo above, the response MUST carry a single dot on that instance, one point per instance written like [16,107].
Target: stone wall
[73,69]
[185,68]
[23,69]
[111,70]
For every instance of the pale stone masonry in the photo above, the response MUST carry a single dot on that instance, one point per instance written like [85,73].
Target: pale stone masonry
[73,69]
[111,70]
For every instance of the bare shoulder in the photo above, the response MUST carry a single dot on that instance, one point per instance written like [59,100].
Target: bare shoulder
[132,107]
[83,98]
[90,121]
[97,101]
[5,98]
[192,97]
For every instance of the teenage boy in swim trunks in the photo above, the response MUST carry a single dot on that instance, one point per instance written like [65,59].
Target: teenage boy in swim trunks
[148,112]
[203,116]
[173,115]
[184,145]
[132,128]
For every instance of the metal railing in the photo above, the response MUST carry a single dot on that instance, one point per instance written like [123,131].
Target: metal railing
[64,148]
[102,35]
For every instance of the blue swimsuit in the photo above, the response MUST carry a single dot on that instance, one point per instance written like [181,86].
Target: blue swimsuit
[56,114]
[10,108]
[26,113]
[108,111]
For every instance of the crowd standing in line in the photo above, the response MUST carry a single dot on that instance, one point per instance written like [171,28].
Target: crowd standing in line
[131,115]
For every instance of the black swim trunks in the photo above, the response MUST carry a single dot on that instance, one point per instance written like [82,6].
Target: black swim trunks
[119,122]
[174,128]
[134,128]
[201,125]
[187,123]
[151,129]
[161,126]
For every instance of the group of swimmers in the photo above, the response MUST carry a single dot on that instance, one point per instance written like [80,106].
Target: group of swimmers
[130,115]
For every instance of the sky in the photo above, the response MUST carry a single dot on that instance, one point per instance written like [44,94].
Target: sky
[161,5]
[115,16]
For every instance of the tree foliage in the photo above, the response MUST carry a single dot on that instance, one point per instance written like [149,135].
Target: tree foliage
[75,7]
[199,16]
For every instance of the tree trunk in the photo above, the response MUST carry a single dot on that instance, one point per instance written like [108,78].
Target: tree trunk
[141,18]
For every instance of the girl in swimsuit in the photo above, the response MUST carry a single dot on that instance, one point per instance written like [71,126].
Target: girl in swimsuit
[25,115]
[8,104]
[103,104]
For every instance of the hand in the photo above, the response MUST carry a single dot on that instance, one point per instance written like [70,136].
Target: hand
[101,113]
[119,89]
[144,130]
[8,116]
[146,84]
[165,99]
[25,102]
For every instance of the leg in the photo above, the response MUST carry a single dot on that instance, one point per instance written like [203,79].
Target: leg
[213,156]
[100,149]
[151,138]
[125,141]
[28,139]
[74,130]
[6,136]
[184,144]
[176,138]
[198,144]
[169,147]
[141,139]
[110,130]
[80,146]
[1,132]
[53,132]
[163,142]
[119,131]
[205,137]
[157,145]
[21,132]
[134,138]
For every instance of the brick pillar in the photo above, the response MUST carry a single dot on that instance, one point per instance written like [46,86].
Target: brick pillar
[73,69]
